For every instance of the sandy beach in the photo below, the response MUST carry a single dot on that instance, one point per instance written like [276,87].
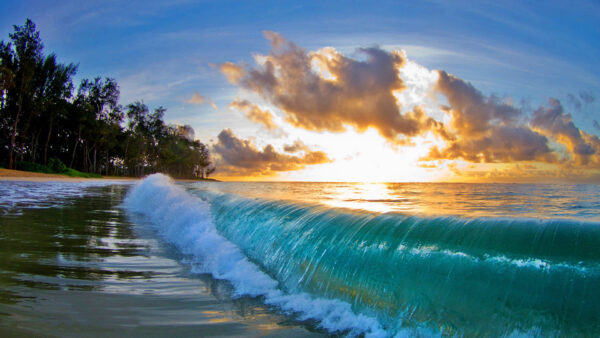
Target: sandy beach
[19,175]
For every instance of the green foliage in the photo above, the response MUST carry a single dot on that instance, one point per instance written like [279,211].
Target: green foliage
[57,166]
[75,173]
[39,168]
[34,167]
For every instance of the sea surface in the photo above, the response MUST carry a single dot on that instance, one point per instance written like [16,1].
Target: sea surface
[299,259]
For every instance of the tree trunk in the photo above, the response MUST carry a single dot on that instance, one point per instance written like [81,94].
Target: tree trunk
[75,147]
[13,137]
[48,139]
[34,146]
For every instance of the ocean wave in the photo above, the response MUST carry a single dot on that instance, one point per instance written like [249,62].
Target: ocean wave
[187,222]
[387,274]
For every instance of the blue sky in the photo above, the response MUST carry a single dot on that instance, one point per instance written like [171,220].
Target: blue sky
[164,52]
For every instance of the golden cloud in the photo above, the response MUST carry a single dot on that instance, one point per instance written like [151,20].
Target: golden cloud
[297,146]
[196,99]
[483,129]
[556,123]
[325,90]
[239,157]
[255,114]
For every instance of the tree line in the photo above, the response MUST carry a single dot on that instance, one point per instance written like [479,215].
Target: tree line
[45,120]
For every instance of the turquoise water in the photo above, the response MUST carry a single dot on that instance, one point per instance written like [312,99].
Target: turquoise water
[299,259]
[395,259]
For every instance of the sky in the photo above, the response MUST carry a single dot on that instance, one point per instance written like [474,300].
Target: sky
[458,91]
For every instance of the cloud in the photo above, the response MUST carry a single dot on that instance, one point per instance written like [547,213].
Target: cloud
[596,125]
[325,90]
[232,71]
[239,157]
[587,97]
[574,101]
[196,99]
[555,122]
[483,129]
[255,114]
[297,146]
[199,99]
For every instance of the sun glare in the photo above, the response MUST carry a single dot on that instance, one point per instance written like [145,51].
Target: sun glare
[364,157]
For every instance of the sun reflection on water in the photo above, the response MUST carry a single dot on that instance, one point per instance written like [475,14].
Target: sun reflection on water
[432,199]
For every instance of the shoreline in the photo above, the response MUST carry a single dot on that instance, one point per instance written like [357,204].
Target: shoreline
[20,175]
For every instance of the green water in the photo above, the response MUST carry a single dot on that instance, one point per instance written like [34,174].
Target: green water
[85,268]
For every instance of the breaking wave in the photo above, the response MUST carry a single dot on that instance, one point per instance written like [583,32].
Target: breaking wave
[359,272]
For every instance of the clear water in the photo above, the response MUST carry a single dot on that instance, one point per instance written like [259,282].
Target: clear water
[74,263]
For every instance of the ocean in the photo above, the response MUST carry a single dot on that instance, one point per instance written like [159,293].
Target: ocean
[299,259]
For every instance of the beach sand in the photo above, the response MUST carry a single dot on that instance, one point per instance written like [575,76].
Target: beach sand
[19,175]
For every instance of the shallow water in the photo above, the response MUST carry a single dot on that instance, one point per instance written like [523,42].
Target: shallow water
[74,263]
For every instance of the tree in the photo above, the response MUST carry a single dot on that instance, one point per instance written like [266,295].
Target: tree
[25,57]
[41,120]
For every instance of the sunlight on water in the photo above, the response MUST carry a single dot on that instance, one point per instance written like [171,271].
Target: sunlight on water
[547,201]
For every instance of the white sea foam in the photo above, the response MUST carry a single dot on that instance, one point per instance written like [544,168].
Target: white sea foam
[185,221]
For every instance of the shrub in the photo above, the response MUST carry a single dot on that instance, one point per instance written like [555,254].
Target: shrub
[57,166]
[35,167]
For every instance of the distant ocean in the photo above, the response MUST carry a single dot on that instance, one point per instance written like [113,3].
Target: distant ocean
[374,259]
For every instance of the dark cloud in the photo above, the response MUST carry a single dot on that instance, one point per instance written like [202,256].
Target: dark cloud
[483,129]
[239,157]
[296,147]
[574,101]
[587,97]
[596,125]
[358,93]
[255,114]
